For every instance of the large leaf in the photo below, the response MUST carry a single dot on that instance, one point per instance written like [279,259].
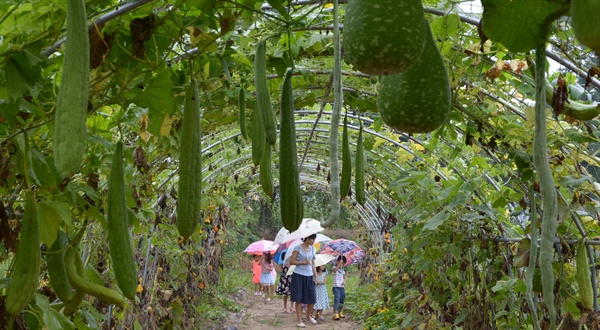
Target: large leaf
[53,215]
[520,25]
[157,97]
[22,74]
[53,319]
[436,221]
[279,5]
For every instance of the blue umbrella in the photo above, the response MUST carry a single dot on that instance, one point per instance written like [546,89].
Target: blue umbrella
[280,256]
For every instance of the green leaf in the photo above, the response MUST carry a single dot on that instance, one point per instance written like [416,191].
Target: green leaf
[445,26]
[8,112]
[44,170]
[520,25]
[436,221]
[279,5]
[158,93]
[377,124]
[458,200]
[21,75]
[504,285]
[500,202]
[204,5]
[52,318]
[578,137]
[53,215]
[158,98]
[572,181]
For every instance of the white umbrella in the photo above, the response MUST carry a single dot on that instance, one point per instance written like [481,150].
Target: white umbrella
[320,260]
[322,239]
[281,235]
[307,228]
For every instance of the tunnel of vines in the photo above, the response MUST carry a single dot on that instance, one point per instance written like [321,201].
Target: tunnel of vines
[476,224]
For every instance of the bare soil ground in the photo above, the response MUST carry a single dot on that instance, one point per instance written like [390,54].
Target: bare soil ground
[261,315]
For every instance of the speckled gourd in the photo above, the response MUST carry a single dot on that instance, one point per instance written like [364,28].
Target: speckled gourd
[584,19]
[418,100]
[383,37]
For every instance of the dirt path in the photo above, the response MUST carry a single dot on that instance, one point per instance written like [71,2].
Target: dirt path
[260,315]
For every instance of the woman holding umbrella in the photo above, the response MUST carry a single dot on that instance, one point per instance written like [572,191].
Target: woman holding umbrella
[304,278]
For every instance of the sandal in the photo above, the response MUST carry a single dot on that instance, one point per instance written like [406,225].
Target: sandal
[301,325]
[284,310]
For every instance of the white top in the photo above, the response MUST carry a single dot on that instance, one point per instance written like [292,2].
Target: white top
[306,269]
[338,278]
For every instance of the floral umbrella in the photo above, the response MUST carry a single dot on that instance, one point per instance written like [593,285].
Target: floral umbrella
[347,248]
[262,246]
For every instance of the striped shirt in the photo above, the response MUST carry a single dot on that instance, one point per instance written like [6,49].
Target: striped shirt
[338,278]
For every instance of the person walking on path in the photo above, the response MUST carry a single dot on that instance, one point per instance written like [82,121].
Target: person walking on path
[304,278]
[256,275]
[266,277]
[321,292]
[339,291]
[283,289]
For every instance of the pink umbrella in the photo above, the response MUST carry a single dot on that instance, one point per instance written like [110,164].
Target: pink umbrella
[262,246]
[347,248]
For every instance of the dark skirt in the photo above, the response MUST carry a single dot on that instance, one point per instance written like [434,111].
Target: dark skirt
[303,289]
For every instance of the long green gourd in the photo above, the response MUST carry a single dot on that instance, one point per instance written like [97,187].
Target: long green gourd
[105,294]
[583,276]
[533,252]
[57,271]
[259,143]
[263,99]
[289,180]
[242,113]
[265,176]
[71,108]
[190,164]
[78,294]
[549,203]
[359,173]
[338,99]
[573,108]
[346,162]
[25,277]
[119,236]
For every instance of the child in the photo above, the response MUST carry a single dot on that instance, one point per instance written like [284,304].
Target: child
[321,291]
[256,275]
[266,278]
[284,285]
[339,292]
